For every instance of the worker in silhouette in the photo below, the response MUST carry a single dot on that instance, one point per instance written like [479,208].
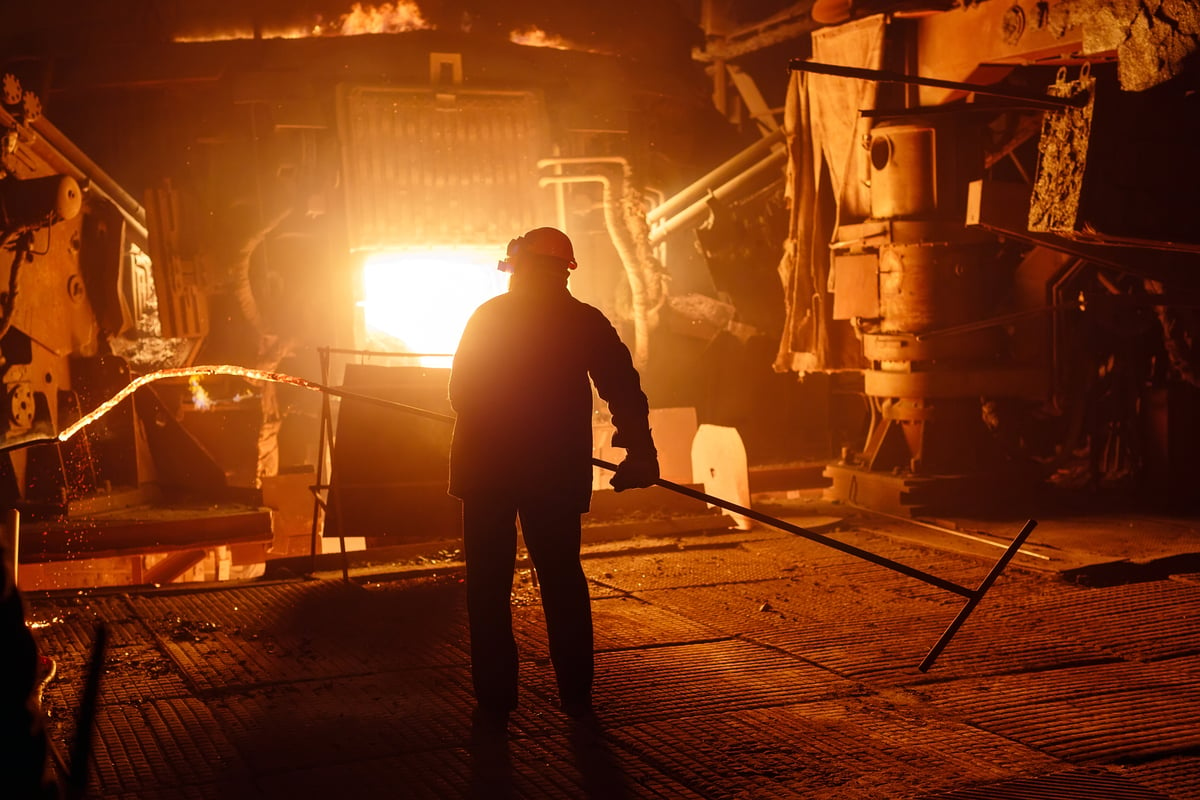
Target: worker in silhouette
[522,448]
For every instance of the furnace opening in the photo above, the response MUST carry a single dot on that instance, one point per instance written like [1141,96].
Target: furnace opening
[419,300]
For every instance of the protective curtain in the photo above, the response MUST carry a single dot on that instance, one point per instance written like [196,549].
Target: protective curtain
[838,128]
[825,160]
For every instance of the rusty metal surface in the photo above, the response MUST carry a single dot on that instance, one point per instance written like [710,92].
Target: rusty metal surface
[296,724]
[766,667]
[669,570]
[1175,777]
[854,748]
[166,743]
[1141,621]
[568,767]
[620,623]
[1109,712]
[417,161]
[298,631]
[1071,785]
[866,636]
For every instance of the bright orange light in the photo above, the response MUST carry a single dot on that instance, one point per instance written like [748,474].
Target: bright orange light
[200,397]
[247,33]
[536,37]
[533,36]
[400,17]
[419,300]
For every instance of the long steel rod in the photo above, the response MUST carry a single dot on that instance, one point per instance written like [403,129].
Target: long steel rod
[866,555]
[886,76]
[943,529]
[976,596]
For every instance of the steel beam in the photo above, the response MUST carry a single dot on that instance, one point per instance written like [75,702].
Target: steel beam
[1043,102]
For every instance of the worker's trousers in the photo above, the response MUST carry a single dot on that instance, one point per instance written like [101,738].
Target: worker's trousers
[552,536]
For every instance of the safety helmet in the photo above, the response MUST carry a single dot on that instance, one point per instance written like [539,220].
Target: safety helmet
[545,242]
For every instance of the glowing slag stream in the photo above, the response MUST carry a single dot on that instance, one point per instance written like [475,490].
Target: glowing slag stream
[226,369]
[182,372]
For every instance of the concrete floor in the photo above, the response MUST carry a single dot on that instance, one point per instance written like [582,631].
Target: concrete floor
[737,664]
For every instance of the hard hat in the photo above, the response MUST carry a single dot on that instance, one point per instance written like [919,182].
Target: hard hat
[545,242]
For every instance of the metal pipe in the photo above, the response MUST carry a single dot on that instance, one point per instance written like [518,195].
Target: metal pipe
[1046,102]
[850,549]
[581,161]
[946,109]
[943,529]
[721,174]
[700,207]
[620,237]
[74,162]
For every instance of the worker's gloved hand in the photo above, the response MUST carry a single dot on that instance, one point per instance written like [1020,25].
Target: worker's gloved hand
[637,471]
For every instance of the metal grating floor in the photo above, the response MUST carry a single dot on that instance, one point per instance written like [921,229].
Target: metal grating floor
[300,631]
[1109,712]
[858,748]
[1072,785]
[770,669]
[1175,777]
[619,623]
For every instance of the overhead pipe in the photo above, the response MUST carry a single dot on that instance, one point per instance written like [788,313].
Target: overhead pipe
[622,241]
[719,175]
[636,222]
[1042,102]
[700,207]
[68,159]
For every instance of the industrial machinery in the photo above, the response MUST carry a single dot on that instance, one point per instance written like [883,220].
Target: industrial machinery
[933,267]
[79,290]
[1013,287]
[338,194]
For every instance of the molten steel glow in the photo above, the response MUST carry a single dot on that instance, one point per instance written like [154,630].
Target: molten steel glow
[248,33]
[536,37]
[181,372]
[200,398]
[218,369]
[400,17]
[418,301]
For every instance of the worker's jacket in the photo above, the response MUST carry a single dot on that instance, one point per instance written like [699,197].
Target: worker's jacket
[520,387]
